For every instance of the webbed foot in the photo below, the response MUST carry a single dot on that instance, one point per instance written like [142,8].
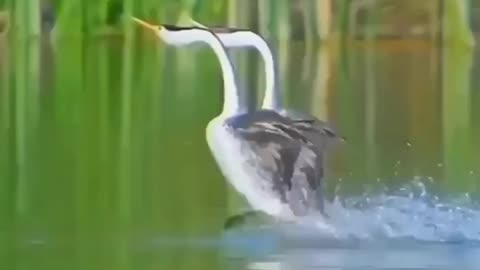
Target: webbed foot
[244,218]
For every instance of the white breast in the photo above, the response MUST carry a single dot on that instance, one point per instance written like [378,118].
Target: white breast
[235,161]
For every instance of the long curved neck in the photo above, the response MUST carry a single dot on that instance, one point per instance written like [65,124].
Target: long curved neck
[271,98]
[232,104]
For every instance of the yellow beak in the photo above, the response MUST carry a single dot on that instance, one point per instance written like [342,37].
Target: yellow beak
[146,24]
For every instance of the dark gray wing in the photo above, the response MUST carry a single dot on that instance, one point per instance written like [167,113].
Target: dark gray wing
[279,148]
[316,126]
[275,153]
[317,131]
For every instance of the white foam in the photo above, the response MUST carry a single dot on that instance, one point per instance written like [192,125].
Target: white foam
[408,213]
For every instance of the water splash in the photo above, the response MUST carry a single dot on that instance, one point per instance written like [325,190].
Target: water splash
[409,213]
[420,217]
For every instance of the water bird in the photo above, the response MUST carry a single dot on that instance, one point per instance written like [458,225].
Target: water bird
[318,131]
[263,154]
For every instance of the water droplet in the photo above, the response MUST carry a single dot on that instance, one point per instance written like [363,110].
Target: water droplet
[409,144]
[440,165]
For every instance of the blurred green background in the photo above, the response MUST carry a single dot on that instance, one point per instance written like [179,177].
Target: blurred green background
[102,127]
[308,19]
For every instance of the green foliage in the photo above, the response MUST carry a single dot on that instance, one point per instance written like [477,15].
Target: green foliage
[272,18]
[27,17]
[456,23]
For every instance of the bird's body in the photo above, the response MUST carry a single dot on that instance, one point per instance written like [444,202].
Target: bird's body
[318,133]
[263,154]
[268,161]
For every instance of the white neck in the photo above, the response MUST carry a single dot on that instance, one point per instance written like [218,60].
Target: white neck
[231,105]
[271,99]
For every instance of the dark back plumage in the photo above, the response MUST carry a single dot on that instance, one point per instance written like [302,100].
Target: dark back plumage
[286,153]
[317,131]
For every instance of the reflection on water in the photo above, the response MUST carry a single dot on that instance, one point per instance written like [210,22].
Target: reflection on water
[98,171]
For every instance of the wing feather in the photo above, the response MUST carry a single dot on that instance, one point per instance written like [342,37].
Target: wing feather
[286,154]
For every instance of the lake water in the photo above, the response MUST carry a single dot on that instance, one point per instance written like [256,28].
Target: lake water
[104,163]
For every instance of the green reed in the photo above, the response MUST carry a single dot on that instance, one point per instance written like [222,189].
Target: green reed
[317,17]
[370,110]
[4,22]
[455,22]
[84,158]
[457,118]
[343,17]
[4,83]
[70,130]
[103,97]
[324,14]
[319,86]
[75,17]
[70,18]
[24,105]
[27,17]
[7,183]
[21,85]
[125,174]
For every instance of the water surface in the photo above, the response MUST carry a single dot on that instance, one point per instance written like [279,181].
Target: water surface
[104,163]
